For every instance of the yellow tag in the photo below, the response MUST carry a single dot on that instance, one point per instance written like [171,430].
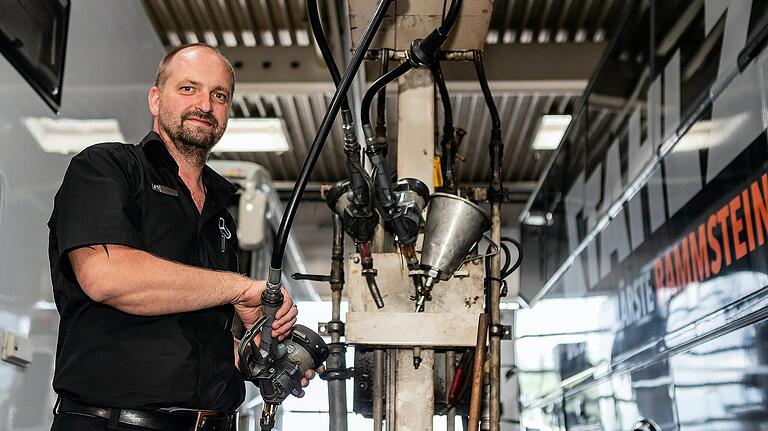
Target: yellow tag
[438,173]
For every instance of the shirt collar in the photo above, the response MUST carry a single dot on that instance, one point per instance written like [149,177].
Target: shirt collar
[155,148]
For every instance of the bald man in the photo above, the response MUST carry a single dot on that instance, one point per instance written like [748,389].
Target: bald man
[144,262]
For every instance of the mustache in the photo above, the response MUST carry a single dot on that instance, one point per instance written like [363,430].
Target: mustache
[200,116]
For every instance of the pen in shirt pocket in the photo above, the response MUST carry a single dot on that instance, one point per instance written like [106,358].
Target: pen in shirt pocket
[225,234]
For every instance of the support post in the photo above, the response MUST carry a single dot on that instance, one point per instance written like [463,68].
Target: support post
[337,389]
[415,389]
[416,127]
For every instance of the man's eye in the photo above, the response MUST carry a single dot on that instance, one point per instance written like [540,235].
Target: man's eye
[221,96]
[185,88]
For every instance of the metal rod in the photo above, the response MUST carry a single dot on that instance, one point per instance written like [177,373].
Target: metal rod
[477,374]
[394,55]
[450,371]
[495,339]
[378,389]
[391,389]
[337,389]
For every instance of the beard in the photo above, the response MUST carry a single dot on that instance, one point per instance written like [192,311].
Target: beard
[192,141]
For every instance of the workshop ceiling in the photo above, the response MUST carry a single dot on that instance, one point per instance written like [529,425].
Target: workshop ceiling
[534,33]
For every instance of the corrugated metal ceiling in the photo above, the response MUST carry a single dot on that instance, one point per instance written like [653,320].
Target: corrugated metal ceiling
[303,113]
[283,23]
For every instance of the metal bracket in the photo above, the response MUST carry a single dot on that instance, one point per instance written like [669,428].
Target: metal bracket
[311,277]
[332,327]
[500,331]
[320,278]
[338,374]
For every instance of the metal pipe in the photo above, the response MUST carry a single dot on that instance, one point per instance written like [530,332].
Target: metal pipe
[477,374]
[391,395]
[378,389]
[400,55]
[450,371]
[337,389]
[495,339]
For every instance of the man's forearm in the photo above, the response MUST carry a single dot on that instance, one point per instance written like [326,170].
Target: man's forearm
[137,282]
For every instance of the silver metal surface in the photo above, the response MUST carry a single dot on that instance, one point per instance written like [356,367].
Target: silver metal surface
[453,226]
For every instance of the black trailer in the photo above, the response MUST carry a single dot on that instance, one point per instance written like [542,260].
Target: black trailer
[647,273]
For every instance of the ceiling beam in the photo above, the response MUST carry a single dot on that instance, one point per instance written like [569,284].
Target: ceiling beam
[544,67]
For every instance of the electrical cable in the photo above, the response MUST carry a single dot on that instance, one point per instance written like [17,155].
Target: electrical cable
[507,269]
[518,262]
[322,135]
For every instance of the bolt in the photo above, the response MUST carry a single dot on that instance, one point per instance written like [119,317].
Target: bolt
[356,259]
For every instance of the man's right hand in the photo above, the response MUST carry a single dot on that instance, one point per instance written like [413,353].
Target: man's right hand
[249,308]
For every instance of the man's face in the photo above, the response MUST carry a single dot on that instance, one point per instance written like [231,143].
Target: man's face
[192,105]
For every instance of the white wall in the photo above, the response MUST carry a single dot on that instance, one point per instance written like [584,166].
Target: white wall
[111,56]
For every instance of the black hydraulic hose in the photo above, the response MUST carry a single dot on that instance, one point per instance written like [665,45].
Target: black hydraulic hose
[448,141]
[379,84]
[437,72]
[381,102]
[355,172]
[322,43]
[322,134]
[424,51]
[496,147]
[480,69]
[450,17]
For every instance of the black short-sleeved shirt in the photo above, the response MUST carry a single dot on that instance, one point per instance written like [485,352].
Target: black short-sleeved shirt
[131,195]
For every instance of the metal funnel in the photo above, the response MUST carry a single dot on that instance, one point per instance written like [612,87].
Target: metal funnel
[453,227]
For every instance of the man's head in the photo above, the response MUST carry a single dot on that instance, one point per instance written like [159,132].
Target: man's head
[191,98]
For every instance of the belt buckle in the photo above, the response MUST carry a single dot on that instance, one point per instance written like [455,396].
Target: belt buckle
[201,415]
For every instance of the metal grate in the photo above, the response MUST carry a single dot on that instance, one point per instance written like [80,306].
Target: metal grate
[231,23]
[559,21]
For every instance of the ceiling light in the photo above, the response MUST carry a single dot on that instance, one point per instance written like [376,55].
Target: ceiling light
[254,135]
[65,136]
[550,132]
[538,219]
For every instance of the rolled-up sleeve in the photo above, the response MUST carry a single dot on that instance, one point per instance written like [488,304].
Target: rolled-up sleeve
[97,201]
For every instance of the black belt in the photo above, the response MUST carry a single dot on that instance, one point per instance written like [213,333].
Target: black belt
[184,420]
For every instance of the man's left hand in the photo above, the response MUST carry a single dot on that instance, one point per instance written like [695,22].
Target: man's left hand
[309,375]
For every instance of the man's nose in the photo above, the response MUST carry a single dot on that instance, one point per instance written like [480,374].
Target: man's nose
[203,104]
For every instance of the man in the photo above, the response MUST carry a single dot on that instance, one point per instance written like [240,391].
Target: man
[144,267]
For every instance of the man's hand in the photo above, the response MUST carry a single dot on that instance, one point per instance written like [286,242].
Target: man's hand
[309,375]
[248,308]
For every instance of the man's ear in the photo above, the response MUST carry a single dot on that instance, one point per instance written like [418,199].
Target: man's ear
[154,101]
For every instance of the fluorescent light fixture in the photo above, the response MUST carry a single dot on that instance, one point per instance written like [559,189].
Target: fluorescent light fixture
[538,219]
[254,135]
[65,136]
[550,132]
